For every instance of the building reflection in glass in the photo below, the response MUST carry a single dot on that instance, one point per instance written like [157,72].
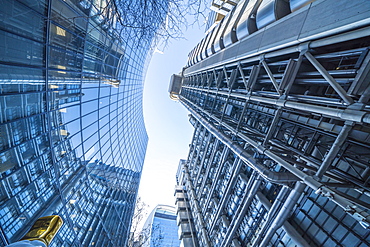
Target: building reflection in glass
[72,136]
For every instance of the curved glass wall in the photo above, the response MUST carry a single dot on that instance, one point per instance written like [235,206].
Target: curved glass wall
[72,135]
[160,228]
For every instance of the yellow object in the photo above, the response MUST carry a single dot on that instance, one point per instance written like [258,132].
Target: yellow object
[44,229]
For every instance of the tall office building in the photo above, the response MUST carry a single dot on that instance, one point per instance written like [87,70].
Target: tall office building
[72,135]
[185,221]
[160,228]
[279,99]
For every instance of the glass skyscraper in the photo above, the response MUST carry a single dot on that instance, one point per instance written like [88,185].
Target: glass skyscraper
[279,97]
[72,135]
[160,228]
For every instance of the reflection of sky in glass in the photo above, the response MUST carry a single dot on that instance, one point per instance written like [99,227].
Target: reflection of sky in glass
[166,231]
[162,228]
[71,124]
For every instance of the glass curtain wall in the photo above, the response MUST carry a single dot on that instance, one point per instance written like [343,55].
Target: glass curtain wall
[72,136]
[160,228]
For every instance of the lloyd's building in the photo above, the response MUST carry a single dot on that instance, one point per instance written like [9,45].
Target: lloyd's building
[72,136]
[278,93]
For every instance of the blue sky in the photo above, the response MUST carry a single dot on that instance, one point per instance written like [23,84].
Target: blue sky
[166,122]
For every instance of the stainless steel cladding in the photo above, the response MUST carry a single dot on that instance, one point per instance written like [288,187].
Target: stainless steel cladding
[194,54]
[219,44]
[246,18]
[247,23]
[204,48]
[230,35]
[190,57]
[297,4]
[210,48]
[199,51]
[270,11]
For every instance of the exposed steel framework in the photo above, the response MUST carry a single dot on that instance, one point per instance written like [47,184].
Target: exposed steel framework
[280,152]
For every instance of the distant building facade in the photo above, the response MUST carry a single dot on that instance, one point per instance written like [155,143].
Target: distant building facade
[160,229]
[279,99]
[184,206]
[72,135]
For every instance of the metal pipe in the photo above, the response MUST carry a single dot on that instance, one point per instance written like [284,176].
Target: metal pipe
[342,36]
[365,96]
[294,97]
[271,214]
[271,76]
[217,174]
[236,243]
[241,214]
[227,192]
[342,93]
[284,213]
[274,177]
[273,125]
[288,228]
[202,160]
[329,158]
[197,208]
[343,114]
[361,216]
[225,220]
[195,136]
[214,150]
[249,185]
[353,199]
[366,173]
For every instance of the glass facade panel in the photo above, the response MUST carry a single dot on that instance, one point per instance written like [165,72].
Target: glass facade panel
[160,228]
[72,135]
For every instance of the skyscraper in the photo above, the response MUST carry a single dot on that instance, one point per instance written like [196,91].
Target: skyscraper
[160,228]
[184,204]
[278,93]
[72,136]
